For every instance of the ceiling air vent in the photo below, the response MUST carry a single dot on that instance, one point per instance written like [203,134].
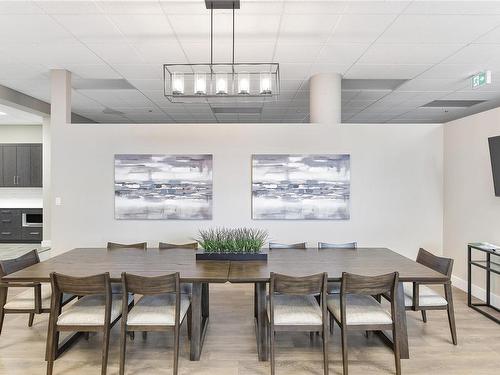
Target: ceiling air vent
[372,84]
[453,103]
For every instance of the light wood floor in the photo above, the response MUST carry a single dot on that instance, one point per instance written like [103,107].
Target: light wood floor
[230,346]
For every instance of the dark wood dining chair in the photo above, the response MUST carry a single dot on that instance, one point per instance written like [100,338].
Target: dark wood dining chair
[35,300]
[293,307]
[162,307]
[276,245]
[419,297]
[334,286]
[115,245]
[166,245]
[97,311]
[354,309]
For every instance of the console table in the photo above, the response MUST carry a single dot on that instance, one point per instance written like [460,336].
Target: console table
[490,267]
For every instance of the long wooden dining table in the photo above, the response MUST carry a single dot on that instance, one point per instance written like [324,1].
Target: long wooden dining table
[294,262]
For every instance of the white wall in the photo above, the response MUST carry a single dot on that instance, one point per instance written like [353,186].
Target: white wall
[20,133]
[471,210]
[396,181]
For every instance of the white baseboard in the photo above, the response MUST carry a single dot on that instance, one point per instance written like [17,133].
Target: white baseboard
[46,243]
[476,291]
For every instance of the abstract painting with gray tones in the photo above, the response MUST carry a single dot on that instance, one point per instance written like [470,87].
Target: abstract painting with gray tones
[300,187]
[156,187]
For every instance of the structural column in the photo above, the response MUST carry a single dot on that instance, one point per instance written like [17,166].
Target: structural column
[325,98]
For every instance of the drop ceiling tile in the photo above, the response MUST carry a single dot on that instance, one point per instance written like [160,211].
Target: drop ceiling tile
[473,95]
[148,84]
[184,7]
[376,7]
[290,84]
[253,51]
[314,7]
[296,53]
[195,28]
[102,30]
[349,30]
[68,7]
[476,7]
[395,71]
[307,27]
[294,71]
[32,29]
[438,28]
[200,52]
[139,27]
[130,7]
[453,71]
[341,53]
[19,7]
[160,52]
[475,54]
[380,53]
[325,68]
[100,71]
[119,53]
[419,84]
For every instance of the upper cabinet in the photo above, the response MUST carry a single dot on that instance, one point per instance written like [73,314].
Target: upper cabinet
[21,165]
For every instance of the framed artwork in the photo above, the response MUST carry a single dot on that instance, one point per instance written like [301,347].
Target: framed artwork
[300,187]
[163,187]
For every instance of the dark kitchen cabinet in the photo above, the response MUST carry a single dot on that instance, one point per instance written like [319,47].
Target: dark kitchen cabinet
[21,165]
[21,225]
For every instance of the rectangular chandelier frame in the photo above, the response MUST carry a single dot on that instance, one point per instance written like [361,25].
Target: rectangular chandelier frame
[214,82]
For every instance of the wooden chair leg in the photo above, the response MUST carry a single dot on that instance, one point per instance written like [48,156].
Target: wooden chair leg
[343,332]
[189,321]
[176,350]
[123,350]
[451,313]
[144,335]
[424,316]
[255,312]
[52,343]
[271,350]
[132,335]
[86,335]
[2,316]
[30,320]
[105,351]
[311,337]
[332,322]
[397,353]
[325,349]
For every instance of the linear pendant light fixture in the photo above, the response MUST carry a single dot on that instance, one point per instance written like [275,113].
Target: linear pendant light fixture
[221,82]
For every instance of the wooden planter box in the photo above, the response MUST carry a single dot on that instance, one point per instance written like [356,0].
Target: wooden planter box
[231,256]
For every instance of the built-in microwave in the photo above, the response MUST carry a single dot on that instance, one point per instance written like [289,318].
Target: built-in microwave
[32,220]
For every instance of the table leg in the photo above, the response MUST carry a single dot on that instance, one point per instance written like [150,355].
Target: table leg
[401,322]
[262,343]
[199,320]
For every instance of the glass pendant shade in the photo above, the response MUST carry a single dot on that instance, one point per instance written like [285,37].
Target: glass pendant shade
[177,83]
[243,83]
[200,84]
[265,84]
[221,84]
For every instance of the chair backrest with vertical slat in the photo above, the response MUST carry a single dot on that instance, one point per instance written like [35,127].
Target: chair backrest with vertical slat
[346,245]
[81,286]
[139,246]
[9,266]
[438,264]
[284,284]
[150,285]
[275,245]
[369,285]
[166,246]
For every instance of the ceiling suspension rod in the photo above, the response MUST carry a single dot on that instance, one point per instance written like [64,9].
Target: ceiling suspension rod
[233,32]
[211,35]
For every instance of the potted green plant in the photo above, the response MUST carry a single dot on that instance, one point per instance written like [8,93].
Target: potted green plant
[231,244]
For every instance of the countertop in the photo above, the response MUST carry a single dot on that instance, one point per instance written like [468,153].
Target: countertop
[20,203]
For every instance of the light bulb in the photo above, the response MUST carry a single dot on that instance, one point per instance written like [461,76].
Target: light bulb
[265,84]
[243,83]
[178,83]
[200,84]
[221,84]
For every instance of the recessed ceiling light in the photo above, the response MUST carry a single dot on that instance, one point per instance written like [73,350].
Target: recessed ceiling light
[3,114]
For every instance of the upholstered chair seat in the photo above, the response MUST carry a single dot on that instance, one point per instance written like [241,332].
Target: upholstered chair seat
[360,310]
[426,296]
[26,300]
[157,310]
[89,311]
[296,310]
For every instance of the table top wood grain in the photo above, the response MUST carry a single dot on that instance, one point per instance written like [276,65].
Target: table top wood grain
[362,261]
[294,262]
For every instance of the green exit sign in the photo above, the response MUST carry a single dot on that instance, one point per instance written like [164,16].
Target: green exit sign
[481,79]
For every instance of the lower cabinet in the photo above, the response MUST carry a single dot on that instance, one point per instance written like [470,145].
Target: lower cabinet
[20,225]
